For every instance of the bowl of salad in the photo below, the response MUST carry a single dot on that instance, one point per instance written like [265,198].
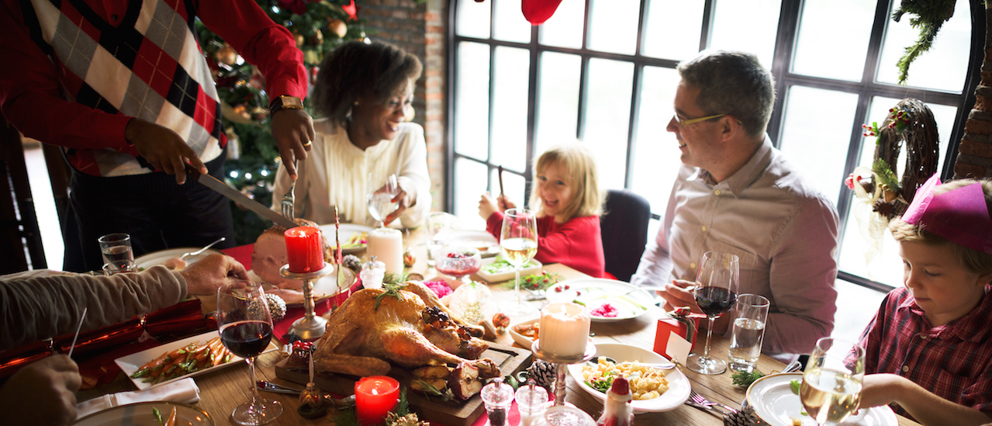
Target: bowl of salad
[497,269]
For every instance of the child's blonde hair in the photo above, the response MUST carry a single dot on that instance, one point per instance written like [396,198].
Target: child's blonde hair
[578,166]
[975,261]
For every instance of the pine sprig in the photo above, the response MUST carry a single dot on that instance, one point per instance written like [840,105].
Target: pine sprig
[930,16]
[885,175]
[390,290]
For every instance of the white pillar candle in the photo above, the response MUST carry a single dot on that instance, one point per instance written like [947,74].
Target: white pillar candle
[387,246]
[564,329]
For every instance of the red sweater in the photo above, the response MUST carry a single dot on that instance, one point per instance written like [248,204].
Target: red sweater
[577,243]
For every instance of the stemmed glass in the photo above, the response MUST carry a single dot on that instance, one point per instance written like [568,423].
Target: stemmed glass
[715,293]
[459,262]
[518,241]
[245,327]
[380,198]
[831,389]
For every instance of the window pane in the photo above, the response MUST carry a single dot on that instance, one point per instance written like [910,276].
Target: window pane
[558,100]
[607,113]
[510,108]
[657,158]
[472,100]
[841,55]
[613,26]
[469,183]
[816,132]
[564,28]
[510,22]
[473,19]
[944,66]
[749,26]
[513,184]
[672,29]
[858,242]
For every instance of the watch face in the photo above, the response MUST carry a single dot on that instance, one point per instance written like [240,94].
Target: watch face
[291,102]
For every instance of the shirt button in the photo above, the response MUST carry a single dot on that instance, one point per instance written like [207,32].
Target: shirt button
[692,265]
[717,192]
[704,228]
[905,369]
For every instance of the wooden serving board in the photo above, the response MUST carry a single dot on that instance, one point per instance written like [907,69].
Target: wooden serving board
[449,413]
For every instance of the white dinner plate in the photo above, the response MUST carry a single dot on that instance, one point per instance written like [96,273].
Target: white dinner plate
[678,384]
[131,363]
[140,414]
[630,301]
[347,230]
[159,257]
[530,268]
[773,401]
[482,240]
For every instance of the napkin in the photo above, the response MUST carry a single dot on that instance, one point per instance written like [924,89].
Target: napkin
[184,390]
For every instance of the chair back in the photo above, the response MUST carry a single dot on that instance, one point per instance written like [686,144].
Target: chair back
[624,232]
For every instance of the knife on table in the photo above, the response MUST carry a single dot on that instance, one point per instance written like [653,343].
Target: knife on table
[236,196]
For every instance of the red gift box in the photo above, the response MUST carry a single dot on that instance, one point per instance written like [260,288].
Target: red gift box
[684,326]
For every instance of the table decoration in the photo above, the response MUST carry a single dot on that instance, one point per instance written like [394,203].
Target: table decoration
[303,249]
[386,244]
[375,397]
[564,340]
[532,402]
[310,326]
[498,397]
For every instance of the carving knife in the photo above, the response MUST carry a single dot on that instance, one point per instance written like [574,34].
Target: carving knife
[236,196]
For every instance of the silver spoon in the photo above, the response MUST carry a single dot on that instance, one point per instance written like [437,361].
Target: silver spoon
[194,253]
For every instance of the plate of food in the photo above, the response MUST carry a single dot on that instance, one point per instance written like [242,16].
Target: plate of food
[654,389]
[482,240]
[170,258]
[775,402]
[607,300]
[148,414]
[354,237]
[496,269]
[525,332]
[161,364]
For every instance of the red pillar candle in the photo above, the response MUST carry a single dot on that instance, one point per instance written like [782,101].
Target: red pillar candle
[375,397]
[303,249]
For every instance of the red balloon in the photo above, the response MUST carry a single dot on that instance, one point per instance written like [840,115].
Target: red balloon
[538,11]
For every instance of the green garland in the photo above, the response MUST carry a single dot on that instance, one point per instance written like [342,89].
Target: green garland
[930,16]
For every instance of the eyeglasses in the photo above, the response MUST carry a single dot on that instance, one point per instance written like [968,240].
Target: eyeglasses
[683,123]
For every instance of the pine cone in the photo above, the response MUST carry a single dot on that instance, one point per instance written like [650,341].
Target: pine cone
[543,373]
[277,307]
[352,262]
[744,417]
[884,209]
[408,420]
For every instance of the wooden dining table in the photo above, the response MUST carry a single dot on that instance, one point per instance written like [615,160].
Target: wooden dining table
[223,390]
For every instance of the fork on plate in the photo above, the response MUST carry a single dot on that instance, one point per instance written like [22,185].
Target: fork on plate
[701,401]
[289,198]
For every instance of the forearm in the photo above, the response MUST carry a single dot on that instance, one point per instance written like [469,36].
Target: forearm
[930,409]
[51,306]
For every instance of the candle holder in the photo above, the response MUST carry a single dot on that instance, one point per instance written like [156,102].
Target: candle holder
[560,363]
[310,326]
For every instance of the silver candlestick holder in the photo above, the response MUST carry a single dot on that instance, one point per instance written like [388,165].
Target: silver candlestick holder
[561,363]
[310,326]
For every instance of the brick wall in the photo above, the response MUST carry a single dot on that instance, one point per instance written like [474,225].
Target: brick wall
[419,28]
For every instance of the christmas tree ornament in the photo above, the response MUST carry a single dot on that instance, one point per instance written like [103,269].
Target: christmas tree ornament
[226,55]
[337,27]
[352,10]
[277,307]
[300,40]
[317,38]
[538,11]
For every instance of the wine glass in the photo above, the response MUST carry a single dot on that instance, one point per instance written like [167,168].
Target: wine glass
[715,293]
[245,327]
[831,389]
[380,198]
[459,262]
[518,241]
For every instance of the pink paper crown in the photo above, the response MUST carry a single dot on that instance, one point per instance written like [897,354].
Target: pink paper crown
[960,215]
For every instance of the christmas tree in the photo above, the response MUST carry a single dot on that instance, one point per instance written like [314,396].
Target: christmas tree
[319,26]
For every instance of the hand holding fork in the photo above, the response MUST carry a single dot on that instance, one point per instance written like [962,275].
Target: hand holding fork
[289,198]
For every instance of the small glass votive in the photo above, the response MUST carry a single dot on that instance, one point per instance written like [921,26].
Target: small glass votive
[532,402]
[119,266]
[115,247]
[564,415]
[750,315]
[498,397]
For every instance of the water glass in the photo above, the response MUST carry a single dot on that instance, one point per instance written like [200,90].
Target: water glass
[115,247]
[439,227]
[118,266]
[750,316]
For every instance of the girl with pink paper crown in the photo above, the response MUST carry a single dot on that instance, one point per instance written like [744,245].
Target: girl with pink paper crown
[928,351]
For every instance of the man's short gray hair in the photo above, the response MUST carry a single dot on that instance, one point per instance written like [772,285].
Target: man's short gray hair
[732,83]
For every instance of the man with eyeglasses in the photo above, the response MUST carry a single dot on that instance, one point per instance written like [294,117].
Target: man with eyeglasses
[736,193]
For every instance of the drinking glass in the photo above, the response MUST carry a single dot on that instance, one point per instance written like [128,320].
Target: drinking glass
[245,327]
[459,262]
[439,227]
[518,241]
[750,314]
[115,247]
[715,293]
[380,198]
[831,388]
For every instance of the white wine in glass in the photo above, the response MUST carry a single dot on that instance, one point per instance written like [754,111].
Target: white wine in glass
[518,241]
[831,388]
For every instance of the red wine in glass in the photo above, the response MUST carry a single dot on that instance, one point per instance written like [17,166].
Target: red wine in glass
[715,293]
[714,301]
[246,338]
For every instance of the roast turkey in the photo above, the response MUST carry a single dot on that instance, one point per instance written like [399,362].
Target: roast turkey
[409,327]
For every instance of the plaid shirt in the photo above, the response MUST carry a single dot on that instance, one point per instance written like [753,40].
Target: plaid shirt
[953,360]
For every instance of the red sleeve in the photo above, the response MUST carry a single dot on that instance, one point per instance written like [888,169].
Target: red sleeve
[262,42]
[494,225]
[30,94]
[577,243]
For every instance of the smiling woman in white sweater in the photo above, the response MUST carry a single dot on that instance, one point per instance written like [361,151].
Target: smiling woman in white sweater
[365,92]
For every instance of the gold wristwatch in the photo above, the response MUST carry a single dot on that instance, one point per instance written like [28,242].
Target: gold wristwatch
[284,102]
